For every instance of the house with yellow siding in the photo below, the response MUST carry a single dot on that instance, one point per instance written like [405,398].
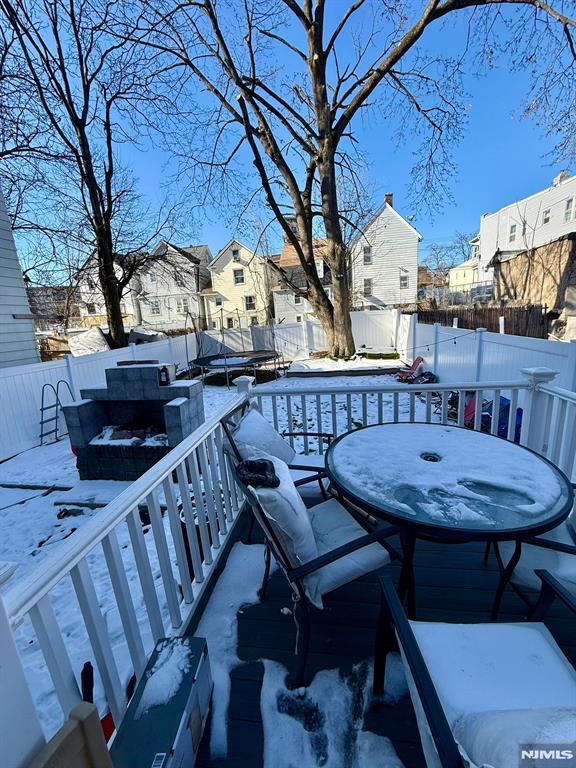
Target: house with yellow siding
[239,296]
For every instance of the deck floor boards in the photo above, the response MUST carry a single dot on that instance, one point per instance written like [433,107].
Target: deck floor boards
[453,585]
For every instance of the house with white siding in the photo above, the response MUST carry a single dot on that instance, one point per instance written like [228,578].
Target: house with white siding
[384,260]
[240,288]
[161,295]
[17,335]
[289,305]
[529,223]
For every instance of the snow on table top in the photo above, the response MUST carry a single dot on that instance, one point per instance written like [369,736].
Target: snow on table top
[480,481]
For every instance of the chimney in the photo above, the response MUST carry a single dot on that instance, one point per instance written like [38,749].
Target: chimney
[389,198]
[291,221]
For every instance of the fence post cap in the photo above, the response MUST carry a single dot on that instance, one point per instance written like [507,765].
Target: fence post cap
[481,330]
[539,375]
[244,383]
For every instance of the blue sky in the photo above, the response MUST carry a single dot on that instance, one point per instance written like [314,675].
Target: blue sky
[501,158]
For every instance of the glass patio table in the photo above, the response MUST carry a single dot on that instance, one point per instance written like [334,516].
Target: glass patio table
[449,484]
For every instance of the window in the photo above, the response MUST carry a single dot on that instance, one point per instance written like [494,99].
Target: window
[213,325]
[179,279]
[152,277]
[182,306]
[238,277]
[298,318]
[91,309]
[91,284]
[218,301]
[235,254]
[250,303]
[404,282]
[253,320]
[512,233]
[230,322]
[297,299]
[523,229]
[155,306]
[367,287]
[546,216]
[367,254]
[569,209]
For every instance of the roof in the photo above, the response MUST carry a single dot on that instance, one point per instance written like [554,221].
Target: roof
[193,253]
[289,256]
[558,182]
[378,213]
[225,248]
[473,262]
[297,277]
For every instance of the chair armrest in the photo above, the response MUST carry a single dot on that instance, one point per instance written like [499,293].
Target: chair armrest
[555,546]
[313,478]
[436,721]
[551,588]
[346,549]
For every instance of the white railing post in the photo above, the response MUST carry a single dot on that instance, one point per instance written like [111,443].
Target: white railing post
[20,733]
[479,352]
[309,335]
[244,385]
[535,411]
[71,378]
[132,350]
[171,350]
[396,327]
[572,365]
[501,324]
[454,322]
[435,353]
[414,324]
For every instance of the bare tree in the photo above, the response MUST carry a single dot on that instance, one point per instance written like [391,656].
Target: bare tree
[89,92]
[288,80]
[441,257]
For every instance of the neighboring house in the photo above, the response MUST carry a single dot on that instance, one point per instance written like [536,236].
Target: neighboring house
[163,293]
[544,275]
[240,287]
[289,306]
[529,223]
[384,260]
[462,276]
[17,337]
[55,307]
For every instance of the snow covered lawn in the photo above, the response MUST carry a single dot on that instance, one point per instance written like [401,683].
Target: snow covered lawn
[356,363]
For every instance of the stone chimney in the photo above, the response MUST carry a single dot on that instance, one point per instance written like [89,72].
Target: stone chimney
[389,198]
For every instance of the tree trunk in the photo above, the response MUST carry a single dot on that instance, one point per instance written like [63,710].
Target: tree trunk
[111,293]
[343,339]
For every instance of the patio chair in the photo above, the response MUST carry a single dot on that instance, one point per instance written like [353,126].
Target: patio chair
[318,549]
[481,690]
[411,372]
[554,551]
[254,432]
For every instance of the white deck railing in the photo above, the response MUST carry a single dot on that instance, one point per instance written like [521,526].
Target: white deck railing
[192,504]
[170,589]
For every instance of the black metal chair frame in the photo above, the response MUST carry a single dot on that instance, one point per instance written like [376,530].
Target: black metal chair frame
[394,629]
[296,575]
[506,571]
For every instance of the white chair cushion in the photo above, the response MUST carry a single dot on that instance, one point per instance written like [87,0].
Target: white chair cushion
[288,515]
[495,667]
[333,526]
[254,432]
[491,739]
[310,491]
[560,564]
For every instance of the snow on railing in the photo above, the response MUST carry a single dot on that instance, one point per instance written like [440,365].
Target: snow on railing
[187,504]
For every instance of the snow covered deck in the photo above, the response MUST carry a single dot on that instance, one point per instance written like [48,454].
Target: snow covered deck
[323,727]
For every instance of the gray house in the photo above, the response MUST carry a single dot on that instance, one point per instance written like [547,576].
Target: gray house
[17,339]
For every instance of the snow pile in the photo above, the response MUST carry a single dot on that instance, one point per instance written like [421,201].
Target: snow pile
[353,364]
[165,677]
[224,361]
[237,587]
[476,479]
[88,342]
[107,437]
[321,725]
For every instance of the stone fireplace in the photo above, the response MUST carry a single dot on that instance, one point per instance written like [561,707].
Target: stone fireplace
[121,429]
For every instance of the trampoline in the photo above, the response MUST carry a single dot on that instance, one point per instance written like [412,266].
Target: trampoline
[231,360]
